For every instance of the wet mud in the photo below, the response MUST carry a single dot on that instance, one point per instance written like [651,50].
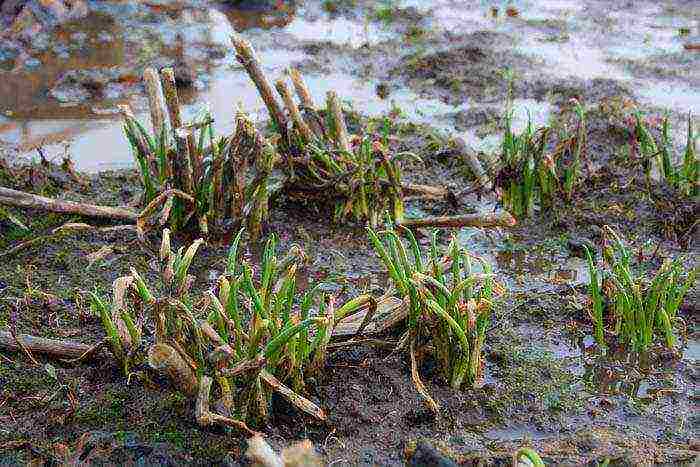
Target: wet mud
[437,71]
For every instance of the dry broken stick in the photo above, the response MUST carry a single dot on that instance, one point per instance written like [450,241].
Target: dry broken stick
[390,312]
[292,397]
[155,100]
[425,191]
[487,220]
[293,109]
[339,127]
[22,199]
[307,102]
[51,347]
[473,162]
[301,89]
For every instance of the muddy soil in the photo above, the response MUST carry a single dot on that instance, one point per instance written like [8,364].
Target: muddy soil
[436,72]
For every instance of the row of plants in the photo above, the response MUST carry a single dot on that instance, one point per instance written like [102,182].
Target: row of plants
[544,165]
[255,333]
[195,179]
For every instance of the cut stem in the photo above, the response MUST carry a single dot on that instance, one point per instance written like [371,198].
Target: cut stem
[246,57]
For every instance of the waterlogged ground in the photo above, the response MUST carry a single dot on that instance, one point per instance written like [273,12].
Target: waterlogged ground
[438,70]
[440,62]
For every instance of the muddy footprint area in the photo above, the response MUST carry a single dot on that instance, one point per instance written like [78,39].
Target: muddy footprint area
[435,72]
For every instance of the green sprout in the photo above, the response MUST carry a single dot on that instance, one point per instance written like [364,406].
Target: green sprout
[449,304]
[643,308]
[529,173]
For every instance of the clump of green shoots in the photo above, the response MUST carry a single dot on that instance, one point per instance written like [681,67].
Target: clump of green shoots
[320,159]
[253,334]
[449,304]
[528,172]
[365,180]
[120,323]
[358,174]
[191,176]
[642,307]
[169,303]
[267,317]
[682,172]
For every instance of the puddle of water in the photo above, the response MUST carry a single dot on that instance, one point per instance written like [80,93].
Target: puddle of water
[674,96]
[340,31]
[691,353]
[571,39]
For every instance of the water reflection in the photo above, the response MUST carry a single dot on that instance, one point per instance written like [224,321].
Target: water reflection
[70,82]
[69,85]
[25,86]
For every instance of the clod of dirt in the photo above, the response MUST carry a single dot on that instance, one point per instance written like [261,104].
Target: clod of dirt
[426,455]
[473,68]
[99,448]
[24,18]
[258,5]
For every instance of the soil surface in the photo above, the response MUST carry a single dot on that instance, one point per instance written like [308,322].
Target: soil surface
[436,72]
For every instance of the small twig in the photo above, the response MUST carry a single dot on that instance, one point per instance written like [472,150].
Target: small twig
[22,199]
[292,397]
[486,220]
[429,401]
[369,315]
[52,347]
[206,418]
[89,353]
[24,348]
[245,367]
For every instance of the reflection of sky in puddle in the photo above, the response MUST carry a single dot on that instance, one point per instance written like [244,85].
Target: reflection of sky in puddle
[692,351]
[674,96]
[340,31]
[523,270]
